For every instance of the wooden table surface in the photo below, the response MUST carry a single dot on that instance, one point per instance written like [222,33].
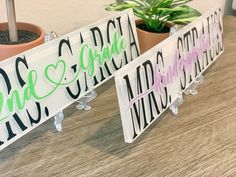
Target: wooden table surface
[193,143]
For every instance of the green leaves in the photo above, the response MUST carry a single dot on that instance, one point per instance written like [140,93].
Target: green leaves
[156,13]
[184,15]
[120,6]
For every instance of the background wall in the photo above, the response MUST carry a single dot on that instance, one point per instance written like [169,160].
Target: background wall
[204,5]
[65,16]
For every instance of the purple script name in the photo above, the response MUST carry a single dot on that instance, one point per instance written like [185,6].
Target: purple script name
[184,61]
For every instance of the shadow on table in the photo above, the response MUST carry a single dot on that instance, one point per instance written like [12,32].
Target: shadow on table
[17,147]
[109,138]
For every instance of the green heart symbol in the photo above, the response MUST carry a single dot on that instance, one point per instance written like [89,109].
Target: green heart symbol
[54,68]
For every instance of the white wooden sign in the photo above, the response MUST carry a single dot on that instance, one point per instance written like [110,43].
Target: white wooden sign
[39,83]
[148,85]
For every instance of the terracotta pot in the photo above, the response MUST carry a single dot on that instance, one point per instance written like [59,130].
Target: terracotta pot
[7,51]
[147,39]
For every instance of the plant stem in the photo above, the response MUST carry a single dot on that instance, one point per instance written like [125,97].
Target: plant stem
[11,16]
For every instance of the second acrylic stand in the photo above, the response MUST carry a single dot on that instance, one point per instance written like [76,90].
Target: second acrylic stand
[83,102]
[174,107]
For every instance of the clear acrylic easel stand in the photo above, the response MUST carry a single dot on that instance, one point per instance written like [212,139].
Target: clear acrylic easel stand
[58,118]
[174,107]
[191,90]
[84,101]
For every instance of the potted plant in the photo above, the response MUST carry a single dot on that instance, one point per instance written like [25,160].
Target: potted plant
[156,17]
[17,37]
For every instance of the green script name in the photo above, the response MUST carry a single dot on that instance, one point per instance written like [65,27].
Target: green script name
[17,99]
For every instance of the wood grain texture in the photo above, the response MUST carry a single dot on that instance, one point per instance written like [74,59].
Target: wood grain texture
[200,141]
